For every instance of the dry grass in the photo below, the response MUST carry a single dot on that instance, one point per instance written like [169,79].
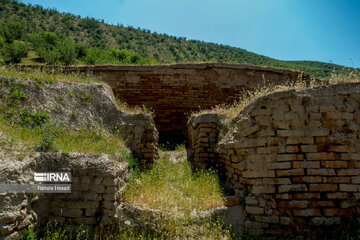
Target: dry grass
[49,76]
[174,188]
[134,109]
[233,109]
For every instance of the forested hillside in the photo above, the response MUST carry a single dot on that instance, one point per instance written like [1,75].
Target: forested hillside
[34,34]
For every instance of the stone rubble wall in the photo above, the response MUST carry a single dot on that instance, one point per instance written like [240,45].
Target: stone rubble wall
[90,105]
[293,158]
[176,90]
[97,186]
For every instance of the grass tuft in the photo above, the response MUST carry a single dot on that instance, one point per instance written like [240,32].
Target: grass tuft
[174,187]
[47,76]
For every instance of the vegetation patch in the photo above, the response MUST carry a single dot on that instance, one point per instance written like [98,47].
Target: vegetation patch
[174,188]
[47,76]
[50,136]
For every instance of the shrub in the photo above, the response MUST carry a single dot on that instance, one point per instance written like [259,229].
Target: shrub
[14,52]
[13,31]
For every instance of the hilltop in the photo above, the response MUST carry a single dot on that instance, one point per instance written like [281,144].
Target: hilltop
[130,45]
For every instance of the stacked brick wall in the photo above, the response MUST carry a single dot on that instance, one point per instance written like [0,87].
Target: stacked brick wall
[203,135]
[175,90]
[97,186]
[293,157]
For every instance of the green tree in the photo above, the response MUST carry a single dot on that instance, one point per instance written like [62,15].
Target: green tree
[67,52]
[13,31]
[13,52]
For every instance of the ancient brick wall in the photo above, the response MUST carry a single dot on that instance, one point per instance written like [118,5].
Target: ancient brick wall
[97,186]
[175,90]
[293,157]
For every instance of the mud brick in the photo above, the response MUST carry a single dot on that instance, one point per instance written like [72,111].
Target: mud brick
[263,189]
[260,158]
[297,123]
[283,196]
[281,124]
[292,149]
[324,204]
[290,172]
[306,164]
[350,156]
[331,115]
[335,164]
[355,180]
[347,204]
[299,204]
[336,179]
[320,156]
[258,174]
[308,148]
[338,195]
[315,116]
[284,220]
[349,188]
[300,140]
[272,149]
[330,212]
[150,145]
[341,148]
[306,212]
[267,219]
[316,132]
[251,201]
[266,133]
[254,210]
[292,188]
[291,116]
[348,172]
[311,196]
[313,123]
[347,116]
[323,187]
[291,133]
[264,120]
[205,130]
[148,155]
[289,157]
[307,179]
[327,108]
[279,165]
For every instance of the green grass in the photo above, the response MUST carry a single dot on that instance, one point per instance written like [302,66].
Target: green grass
[48,76]
[168,229]
[175,188]
[31,59]
[50,137]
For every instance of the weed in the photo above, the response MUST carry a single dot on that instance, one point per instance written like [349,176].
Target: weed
[174,187]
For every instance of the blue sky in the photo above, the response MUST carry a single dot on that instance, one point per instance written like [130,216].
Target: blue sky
[320,30]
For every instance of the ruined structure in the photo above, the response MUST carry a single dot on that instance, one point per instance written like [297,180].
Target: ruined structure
[174,91]
[292,157]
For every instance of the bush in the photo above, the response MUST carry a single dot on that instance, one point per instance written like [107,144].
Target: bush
[14,52]
[13,31]
[67,53]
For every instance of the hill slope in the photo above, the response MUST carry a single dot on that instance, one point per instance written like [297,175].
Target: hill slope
[160,47]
